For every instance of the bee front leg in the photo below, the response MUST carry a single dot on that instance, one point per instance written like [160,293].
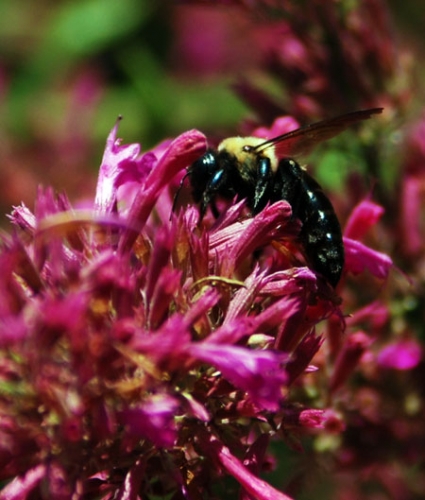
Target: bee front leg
[212,188]
[262,185]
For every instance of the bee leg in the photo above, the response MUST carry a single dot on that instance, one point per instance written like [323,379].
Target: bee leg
[212,188]
[214,209]
[173,208]
[262,186]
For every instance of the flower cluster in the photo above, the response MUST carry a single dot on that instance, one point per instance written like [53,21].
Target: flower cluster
[146,355]
[308,59]
[328,56]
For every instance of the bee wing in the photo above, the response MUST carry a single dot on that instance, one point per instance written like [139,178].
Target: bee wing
[302,140]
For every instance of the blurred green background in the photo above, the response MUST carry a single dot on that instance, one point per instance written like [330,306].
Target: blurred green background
[125,48]
[69,68]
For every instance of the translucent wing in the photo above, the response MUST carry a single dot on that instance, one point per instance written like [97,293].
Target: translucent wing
[302,140]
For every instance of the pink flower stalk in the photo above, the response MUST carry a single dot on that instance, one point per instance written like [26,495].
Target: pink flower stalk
[140,351]
[411,204]
[348,358]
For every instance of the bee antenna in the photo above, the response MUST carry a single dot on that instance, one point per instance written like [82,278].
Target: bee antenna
[262,145]
[173,208]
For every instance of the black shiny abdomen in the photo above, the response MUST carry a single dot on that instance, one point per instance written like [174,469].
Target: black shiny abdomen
[320,234]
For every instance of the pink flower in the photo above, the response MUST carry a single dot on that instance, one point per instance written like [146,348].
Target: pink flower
[363,217]
[145,345]
[117,161]
[401,355]
[118,346]
[153,420]
[259,373]
[358,257]
[253,486]
[348,358]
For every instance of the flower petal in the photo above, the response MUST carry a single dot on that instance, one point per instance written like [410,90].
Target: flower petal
[183,151]
[246,236]
[259,373]
[255,486]
[153,420]
[112,162]
[401,355]
[348,358]
[131,485]
[364,216]
[359,257]
[280,126]
[22,486]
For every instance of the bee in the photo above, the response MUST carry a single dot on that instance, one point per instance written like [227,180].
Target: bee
[265,171]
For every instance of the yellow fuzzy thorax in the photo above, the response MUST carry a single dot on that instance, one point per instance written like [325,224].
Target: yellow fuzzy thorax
[236,145]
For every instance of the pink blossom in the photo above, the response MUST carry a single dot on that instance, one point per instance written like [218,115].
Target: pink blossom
[253,485]
[115,160]
[348,358]
[259,373]
[154,420]
[411,213]
[364,216]
[143,343]
[401,355]
[359,258]
[280,126]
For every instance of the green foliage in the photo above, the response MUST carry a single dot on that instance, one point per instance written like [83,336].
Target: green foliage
[127,44]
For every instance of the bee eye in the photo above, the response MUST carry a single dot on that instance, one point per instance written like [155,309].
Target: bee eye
[247,148]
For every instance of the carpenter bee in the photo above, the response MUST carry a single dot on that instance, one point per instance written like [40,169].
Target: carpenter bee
[264,171]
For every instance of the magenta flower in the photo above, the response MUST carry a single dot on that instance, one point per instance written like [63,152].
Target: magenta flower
[154,420]
[359,257]
[145,350]
[260,373]
[401,355]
